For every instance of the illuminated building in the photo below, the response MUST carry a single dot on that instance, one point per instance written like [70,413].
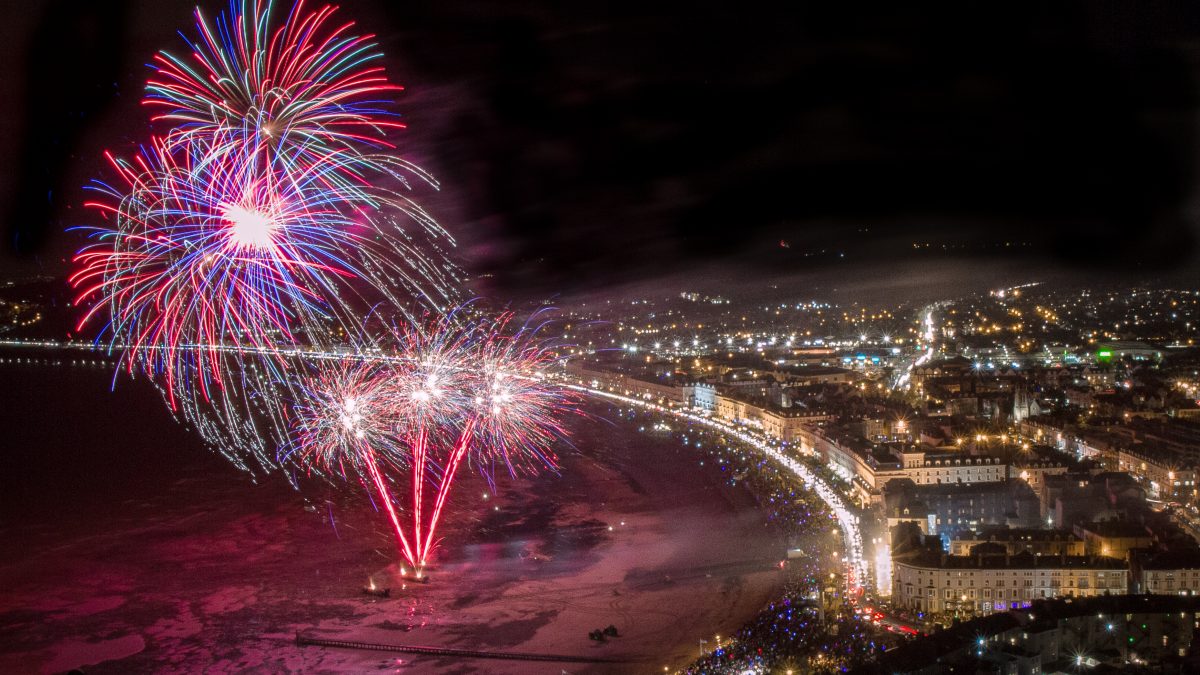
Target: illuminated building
[992,581]
[1113,538]
[1064,635]
[1167,573]
[1021,540]
[1166,474]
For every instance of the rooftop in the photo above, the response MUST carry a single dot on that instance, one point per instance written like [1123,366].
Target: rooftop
[1019,534]
[1020,561]
[1114,528]
[932,649]
[1172,560]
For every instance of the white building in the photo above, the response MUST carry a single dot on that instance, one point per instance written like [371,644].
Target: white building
[1169,573]
[869,467]
[985,583]
[667,392]
[785,424]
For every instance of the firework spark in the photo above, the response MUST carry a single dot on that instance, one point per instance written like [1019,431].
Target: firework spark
[263,218]
[304,84]
[460,392]
[212,260]
[242,252]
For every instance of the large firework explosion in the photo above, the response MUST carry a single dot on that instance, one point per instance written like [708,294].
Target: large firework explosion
[261,224]
[212,249]
[243,252]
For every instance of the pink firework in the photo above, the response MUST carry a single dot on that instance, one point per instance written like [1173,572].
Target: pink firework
[305,82]
[212,253]
[492,406]
[262,224]
[456,394]
[345,423]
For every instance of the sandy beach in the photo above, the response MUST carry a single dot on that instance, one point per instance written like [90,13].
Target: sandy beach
[213,571]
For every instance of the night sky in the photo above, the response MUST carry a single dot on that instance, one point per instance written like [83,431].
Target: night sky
[585,145]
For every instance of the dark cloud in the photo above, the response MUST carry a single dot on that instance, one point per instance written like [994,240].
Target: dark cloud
[63,77]
[583,145]
[614,145]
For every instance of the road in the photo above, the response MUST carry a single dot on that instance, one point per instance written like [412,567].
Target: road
[921,356]
[848,521]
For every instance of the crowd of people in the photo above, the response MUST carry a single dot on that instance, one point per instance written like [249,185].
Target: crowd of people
[812,626]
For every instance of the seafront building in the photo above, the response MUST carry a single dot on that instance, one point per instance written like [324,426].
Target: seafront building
[990,580]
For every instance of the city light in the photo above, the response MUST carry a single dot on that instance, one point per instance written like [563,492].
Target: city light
[848,521]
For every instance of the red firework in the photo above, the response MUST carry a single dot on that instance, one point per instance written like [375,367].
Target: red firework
[458,394]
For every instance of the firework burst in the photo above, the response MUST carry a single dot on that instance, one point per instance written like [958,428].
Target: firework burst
[305,83]
[209,255]
[461,392]
[263,219]
[240,253]
[345,423]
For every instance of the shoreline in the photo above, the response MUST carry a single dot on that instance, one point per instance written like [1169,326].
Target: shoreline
[222,573]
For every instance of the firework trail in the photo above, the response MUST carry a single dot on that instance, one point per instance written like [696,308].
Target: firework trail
[461,392]
[346,424]
[511,417]
[433,390]
[475,393]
